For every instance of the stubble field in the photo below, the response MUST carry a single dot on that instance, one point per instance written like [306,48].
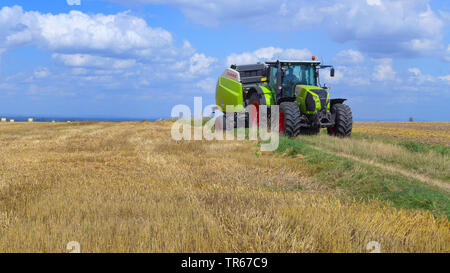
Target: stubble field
[128,187]
[424,132]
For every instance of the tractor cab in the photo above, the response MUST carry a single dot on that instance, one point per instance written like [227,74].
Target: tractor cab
[285,76]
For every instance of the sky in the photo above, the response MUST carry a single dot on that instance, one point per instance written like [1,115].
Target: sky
[139,58]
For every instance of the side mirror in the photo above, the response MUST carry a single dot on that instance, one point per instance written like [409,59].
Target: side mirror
[332,72]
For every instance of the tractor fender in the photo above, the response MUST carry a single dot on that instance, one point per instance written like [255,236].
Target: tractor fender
[335,101]
[259,91]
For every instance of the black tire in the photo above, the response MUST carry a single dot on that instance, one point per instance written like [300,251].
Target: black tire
[343,121]
[292,121]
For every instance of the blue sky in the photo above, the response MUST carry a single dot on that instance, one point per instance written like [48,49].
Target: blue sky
[139,59]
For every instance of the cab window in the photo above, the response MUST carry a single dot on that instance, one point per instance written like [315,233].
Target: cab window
[273,77]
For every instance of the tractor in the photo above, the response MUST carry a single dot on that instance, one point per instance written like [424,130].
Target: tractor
[304,105]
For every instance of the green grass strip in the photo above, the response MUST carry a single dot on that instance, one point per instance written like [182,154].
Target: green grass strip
[367,182]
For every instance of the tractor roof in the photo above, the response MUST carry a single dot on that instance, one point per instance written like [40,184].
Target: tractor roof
[289,62]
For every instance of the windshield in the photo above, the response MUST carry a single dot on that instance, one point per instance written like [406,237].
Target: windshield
[298,74]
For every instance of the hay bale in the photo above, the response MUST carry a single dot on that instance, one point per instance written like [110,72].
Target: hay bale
[11,120]
[30,119]
[3,119]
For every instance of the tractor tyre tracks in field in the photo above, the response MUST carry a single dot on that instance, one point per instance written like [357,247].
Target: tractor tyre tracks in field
[413,175]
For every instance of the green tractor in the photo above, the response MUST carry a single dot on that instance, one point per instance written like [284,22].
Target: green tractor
[304,105]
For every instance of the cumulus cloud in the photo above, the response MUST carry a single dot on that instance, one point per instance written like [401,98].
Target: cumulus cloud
[379,27]
[374,2]
[94,46]
[91,61]
[384,71]
[121,35]
[207,85]
[213,13]
[445,79]
[74,2]
[268,53]
[41,72]
[447,54]
[201,64]
[77,38]
[389,28]
[416,76]
[349,56]
[348,76]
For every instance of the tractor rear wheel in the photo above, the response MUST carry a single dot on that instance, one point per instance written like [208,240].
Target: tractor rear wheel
[343,121]
[290,120]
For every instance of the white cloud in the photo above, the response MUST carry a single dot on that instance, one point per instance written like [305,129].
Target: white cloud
[207,85]
[213,13]
[79,39]
[417,77]
[415,71]
[347,76]
[379,27]
[74,2]
[349,57]
[96,47]
[268,53]
[79,71]
[447,54]
[384,71]
[41,72]
[374,2]
[397,27]
[340,75]
[353,69]
[91,61]
[445,79]
[121,35]
[201,64]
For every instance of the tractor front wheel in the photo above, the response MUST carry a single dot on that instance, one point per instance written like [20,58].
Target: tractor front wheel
[290,121]
[343,121]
